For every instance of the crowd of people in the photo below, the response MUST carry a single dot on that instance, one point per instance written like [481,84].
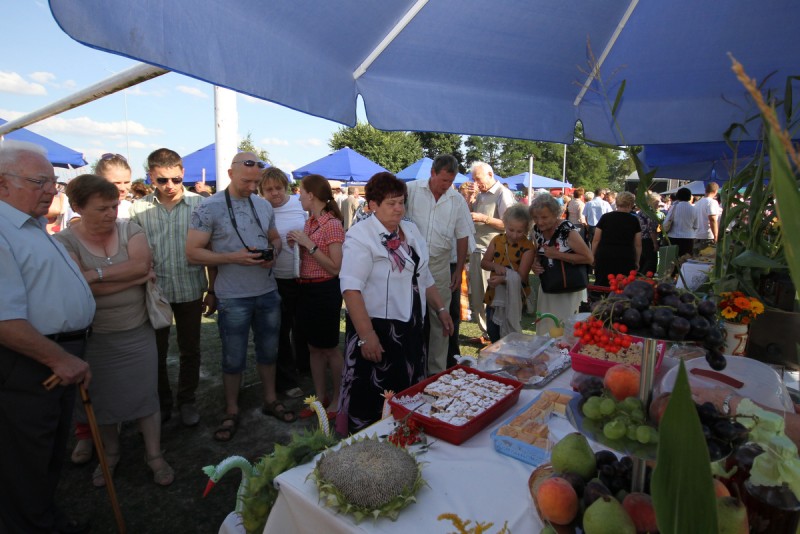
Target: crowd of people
[277,264]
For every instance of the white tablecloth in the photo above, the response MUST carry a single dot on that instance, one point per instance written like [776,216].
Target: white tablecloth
[471,480]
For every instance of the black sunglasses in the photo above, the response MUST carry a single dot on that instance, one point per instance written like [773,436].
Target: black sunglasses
[163,181]
[251,163]
[109,155]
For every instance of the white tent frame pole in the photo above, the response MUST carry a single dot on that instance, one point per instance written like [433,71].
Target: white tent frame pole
[530,178]
[127,78]
[564,171]
[400,26]
[596,68]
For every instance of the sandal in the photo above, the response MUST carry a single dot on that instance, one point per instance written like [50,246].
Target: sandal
[278,411]
[83,452]
[98,480]
[225,431]
[163,476]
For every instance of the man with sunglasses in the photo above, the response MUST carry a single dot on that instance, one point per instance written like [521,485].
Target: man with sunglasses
[44,323]
[165,215]
[235,231]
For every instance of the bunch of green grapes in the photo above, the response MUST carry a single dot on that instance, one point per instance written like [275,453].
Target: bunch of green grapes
[625,419]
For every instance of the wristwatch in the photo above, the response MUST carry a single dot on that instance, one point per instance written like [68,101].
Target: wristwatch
[440,310]
[313,249]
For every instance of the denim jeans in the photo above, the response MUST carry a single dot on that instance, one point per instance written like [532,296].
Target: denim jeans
[236,317]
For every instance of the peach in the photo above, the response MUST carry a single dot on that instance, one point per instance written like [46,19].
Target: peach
[640,507]
[557,501]
[622,381]
[720,489]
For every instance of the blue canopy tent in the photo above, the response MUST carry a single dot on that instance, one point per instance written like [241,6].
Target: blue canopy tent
[697,161]
[345,164]
[57,154]
[672,56]
[521,182]
[198,161]
[421,169]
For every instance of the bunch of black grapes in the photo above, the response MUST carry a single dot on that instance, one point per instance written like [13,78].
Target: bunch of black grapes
[723,434]
[664,312]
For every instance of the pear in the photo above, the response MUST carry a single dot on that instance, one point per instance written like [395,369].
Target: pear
[607,516]
[573,455]
[731,516]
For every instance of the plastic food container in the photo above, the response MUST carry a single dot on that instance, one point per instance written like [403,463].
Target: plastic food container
[452,433]
[594,366]
[526,452]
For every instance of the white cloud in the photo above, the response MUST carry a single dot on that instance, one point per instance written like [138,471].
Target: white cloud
[69,84]
[192,91]
[274,141]
[311,141]
[132,144]
[42,77]
[254,100]
[11,82]
[86,126]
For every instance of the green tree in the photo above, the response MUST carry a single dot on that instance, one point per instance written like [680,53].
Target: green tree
[392,150]
[436,144]
[247,145]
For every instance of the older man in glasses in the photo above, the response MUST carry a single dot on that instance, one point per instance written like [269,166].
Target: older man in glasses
[235,231]
[165,216]
[47,309]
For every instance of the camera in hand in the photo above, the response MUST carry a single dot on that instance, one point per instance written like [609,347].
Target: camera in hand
[267,254]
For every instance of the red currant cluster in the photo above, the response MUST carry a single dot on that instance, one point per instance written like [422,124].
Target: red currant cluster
[594,332]
[618,282]
[406,432]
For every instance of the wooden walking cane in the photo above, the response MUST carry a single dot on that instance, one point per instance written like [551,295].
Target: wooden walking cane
[54,381]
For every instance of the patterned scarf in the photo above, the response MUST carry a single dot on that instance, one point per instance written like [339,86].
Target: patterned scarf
[393,244]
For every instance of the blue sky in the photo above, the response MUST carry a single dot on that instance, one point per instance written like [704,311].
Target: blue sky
[40,64]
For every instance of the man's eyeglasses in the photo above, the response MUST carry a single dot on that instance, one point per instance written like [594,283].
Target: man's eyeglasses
[40,182]
[251,163]
[176,180]
[109,155]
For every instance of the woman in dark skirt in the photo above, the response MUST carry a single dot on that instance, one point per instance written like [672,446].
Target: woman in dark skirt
[617,242]
[386,284]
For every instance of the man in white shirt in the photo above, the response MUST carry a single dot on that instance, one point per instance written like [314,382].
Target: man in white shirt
[441,214]
[708,212]
[593,210]
[487,213]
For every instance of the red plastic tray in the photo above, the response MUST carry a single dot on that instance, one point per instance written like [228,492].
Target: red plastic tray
[451,433]
[593,366]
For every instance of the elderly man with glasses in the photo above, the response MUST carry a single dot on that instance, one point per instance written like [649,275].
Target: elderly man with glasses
[235,231]
[44,323]
[165,215]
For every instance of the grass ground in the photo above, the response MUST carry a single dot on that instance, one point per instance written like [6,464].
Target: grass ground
[180,508]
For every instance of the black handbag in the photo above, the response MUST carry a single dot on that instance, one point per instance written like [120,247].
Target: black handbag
[560,276]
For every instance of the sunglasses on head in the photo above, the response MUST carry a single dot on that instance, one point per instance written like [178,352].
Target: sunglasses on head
[175,181]
[251,163]
[109,155]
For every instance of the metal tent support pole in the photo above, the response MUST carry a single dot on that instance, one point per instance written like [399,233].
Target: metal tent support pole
[648,372]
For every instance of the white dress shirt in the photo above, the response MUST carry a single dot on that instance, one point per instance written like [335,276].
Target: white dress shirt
[439,221]
[366,267]
[684,220]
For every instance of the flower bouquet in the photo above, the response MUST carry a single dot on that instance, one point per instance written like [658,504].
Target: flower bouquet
[736,307]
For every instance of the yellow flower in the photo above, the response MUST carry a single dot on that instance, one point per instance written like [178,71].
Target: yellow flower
[728,313]
[757,307]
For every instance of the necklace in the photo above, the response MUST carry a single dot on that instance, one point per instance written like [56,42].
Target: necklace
[108,257]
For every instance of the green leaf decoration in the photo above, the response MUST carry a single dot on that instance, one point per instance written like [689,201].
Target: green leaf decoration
[618,99]
[681,487]
[751,258]
[787,202]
